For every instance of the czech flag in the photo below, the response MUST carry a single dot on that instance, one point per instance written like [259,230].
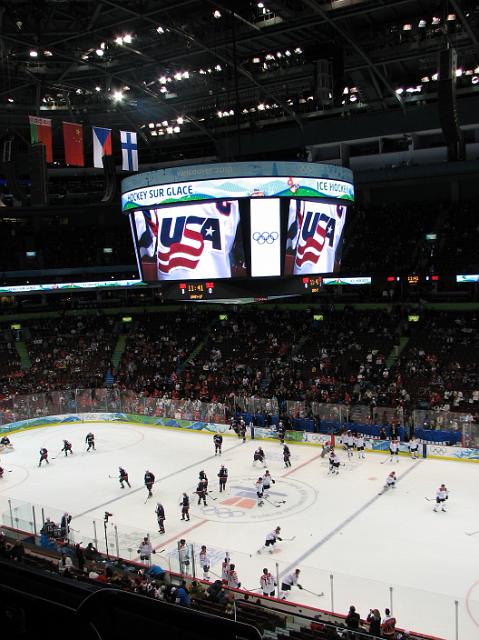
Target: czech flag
[101,145]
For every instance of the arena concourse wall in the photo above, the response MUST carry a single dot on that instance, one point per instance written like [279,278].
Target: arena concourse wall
[442,452]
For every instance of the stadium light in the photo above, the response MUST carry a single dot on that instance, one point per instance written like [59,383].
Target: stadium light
[160,30]
[459,72]
[128,38]
[10,100]
[118,96]
[33,53]
[47,53]
[399,91]
[255,60]
[217,14]
[176,129]
[475,79]
[180,120]
[97,88]
[100,53]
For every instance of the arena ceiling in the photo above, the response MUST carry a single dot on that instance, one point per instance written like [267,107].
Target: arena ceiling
[187,73]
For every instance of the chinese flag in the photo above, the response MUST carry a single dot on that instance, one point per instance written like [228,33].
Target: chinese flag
[73,141]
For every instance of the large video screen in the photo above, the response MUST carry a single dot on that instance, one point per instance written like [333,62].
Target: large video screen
[190,242]
[250,237]
[313,237]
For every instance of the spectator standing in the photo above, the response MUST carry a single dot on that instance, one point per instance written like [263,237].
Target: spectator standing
[374,619]
[388,626]
[353,618]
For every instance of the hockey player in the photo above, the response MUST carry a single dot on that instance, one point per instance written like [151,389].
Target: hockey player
[145,549]
[185,507]
[333,463]
[259,455]
[281,431]
[414,448]
[242,430]
[225,567]
[160,516]
[183,554]
[5,443]
[394,450]
[348,442]
[289,581]
[205,562]
[64,525]
[201,492]
[259,491]
[218,440]
[90,440]
[232,578]
[43,456]
[67,448]
[123,477]
[267,481]
[2,471]
[149,480]
[286,456]
[271,539]
[267,583]
[202,476]
[390,482]
[327,447]
[359,444]
[223,477]
[442,495]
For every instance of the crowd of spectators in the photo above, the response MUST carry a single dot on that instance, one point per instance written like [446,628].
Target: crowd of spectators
[184,359]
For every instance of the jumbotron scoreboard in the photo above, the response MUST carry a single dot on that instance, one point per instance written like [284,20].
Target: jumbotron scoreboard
[210,230]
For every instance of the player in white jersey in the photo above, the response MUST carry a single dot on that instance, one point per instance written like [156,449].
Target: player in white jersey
[259,491]
[390,483]
[394,450]
[205,562]
[359,444]
[414,448]
[267,583]
[271,539]
[348,442]
[442,495]
[314,234]
[289,581]
[267,482]
[191,241]
[333,463]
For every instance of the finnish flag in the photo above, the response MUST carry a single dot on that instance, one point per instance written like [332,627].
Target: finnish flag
[129,151]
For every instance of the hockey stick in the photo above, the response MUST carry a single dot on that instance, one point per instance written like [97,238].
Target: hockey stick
[274,503]
[429,499]
[147,498]
[55,457]
[319,595]
[289,540]
[115,477]
[383,461]
[472,533]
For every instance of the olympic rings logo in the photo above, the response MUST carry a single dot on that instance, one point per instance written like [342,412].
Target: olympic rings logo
[221,512]
[438,450]
[265,237]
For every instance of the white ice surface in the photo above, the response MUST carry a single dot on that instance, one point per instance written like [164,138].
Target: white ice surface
[369,543]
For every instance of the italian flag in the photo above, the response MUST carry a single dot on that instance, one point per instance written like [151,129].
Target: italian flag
[41,131]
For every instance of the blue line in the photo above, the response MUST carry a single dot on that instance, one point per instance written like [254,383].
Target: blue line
[349,519]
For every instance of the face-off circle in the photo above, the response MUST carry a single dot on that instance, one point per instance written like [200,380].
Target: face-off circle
[239,502]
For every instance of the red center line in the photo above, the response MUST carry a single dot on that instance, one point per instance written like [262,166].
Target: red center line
[301,465]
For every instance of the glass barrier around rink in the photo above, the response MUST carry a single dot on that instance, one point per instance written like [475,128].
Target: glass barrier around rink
[415,609]
[104,400]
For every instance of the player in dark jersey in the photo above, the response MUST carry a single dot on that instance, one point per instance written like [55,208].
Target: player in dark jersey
[286,456]
[149,481]
[201,491]
[242,430]
[43,456]
[67,448]
[90,440]
[218,440]
[185,507]
[259,455]
[223,476]
[123,477]
[160,515]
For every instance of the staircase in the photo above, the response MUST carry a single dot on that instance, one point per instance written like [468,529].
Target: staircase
[22,351]
[118,351]
[396,352]
[109,378]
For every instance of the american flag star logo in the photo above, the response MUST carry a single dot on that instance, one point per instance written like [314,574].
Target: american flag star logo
[185,253]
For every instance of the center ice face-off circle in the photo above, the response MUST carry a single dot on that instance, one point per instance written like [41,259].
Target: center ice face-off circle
[285,498]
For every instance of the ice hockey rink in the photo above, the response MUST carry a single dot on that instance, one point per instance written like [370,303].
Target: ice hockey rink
[354,545]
